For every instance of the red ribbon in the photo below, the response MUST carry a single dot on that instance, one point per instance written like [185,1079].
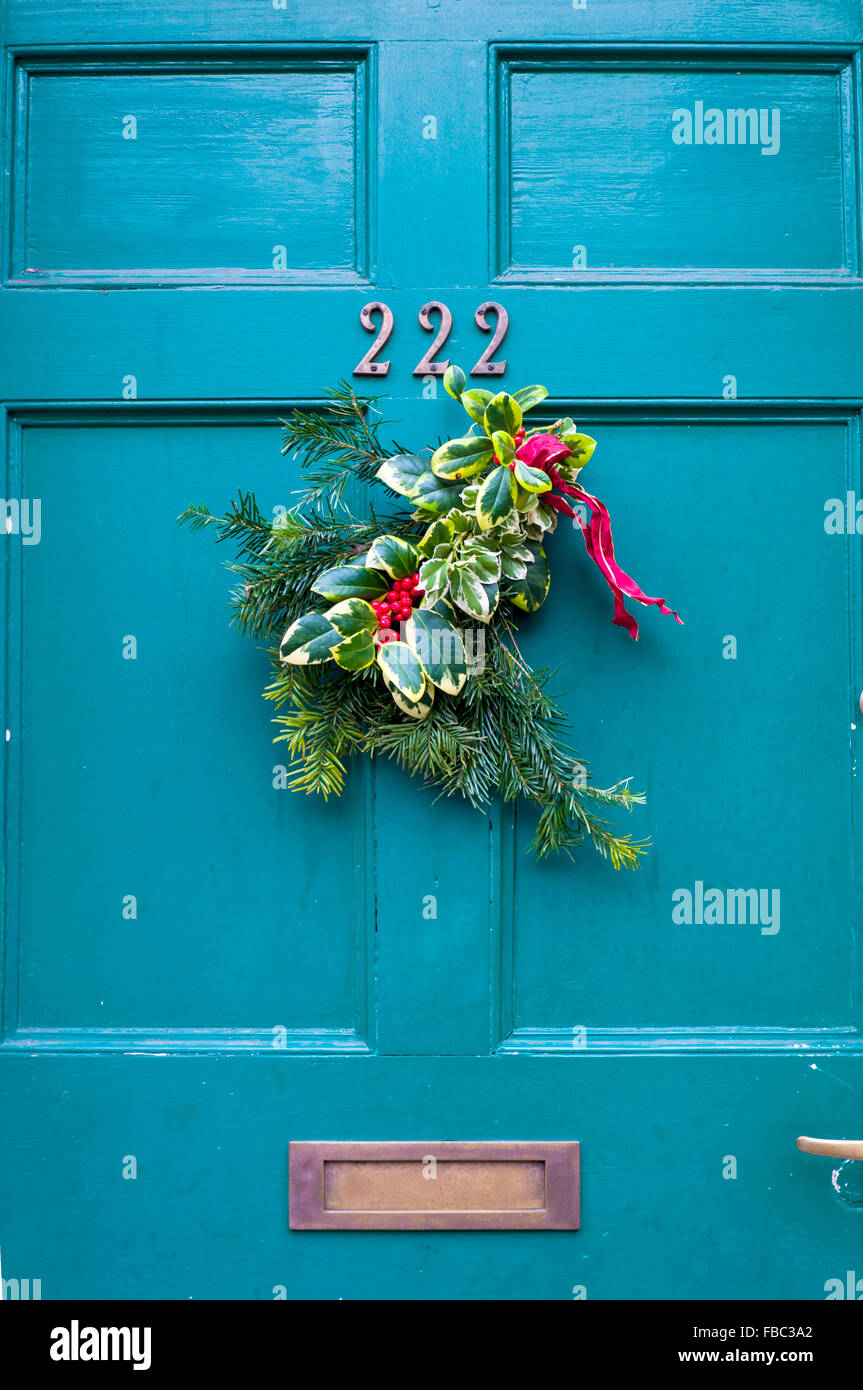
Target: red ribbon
[544,451]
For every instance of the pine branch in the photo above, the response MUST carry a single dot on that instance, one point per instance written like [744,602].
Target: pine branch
[336,445]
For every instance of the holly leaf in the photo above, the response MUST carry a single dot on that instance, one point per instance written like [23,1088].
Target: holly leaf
[417,709]
[396,557]
[440,533]
[531,479]
[356,653]
[511,567]
[530,592]
[466,590]
[475,402]
[454,382]
[309,641]
[581,448]
[496,497]
[439,648]
[351,616]
[402,472]
[350,581]
[485,564]
[401,667]
[462,458]
[529,396]
[504,446]
[434,494]
[503,412]
[434,578]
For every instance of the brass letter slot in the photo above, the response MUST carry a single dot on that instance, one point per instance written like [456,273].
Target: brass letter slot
[429,1186]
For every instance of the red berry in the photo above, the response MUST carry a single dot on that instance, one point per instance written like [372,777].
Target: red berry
[419,593]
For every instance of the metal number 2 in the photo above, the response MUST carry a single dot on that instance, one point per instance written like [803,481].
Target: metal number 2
[427,365]
[367,366]
[486,366]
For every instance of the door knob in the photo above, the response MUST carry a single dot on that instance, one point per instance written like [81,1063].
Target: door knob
[832,1148]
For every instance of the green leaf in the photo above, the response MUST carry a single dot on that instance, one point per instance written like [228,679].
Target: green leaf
[532,479]
[513,546]
[356,653]
[475,402]
[529,396]
[470,595]
[417,709]
[511,567]
[446,609]
[439,648]
[496,497]
[504,446]
[401,666]
[439,533]
[529,593]
[454,382]
[434,578]
[309,641]
[435,495]
[352,615]
[503,412]
[350,581]
[581,447]
[396,557]
[462,458]
[484,565]
[402,472]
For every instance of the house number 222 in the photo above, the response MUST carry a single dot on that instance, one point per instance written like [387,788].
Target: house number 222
[428,365]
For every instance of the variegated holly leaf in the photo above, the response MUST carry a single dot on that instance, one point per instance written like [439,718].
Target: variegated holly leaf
[435,495]
[396,557]
[309,640]
[485,564]
[529,396]
[434,578]
[440,533]
[454,382]
[356,653]
[466,590]
[496,497]
[417,709]
[402,472]
[439,648]
[351,581]
[504,446]
[530,592]
[401,666]
[352,615]
[475,402]
[511,567]
[531,479]
[503,412]
[513,546]
[462,458]
[581,448]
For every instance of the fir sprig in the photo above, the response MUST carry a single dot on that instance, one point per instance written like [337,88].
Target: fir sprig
[503,735]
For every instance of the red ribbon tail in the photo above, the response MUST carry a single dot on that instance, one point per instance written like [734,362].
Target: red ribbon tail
[600,547]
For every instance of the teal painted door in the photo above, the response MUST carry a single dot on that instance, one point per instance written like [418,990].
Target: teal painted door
[200,967]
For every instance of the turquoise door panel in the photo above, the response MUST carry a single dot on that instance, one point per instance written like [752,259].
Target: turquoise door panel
[198,966]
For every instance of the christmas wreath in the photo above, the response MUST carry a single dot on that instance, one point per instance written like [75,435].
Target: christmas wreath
[398,631]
